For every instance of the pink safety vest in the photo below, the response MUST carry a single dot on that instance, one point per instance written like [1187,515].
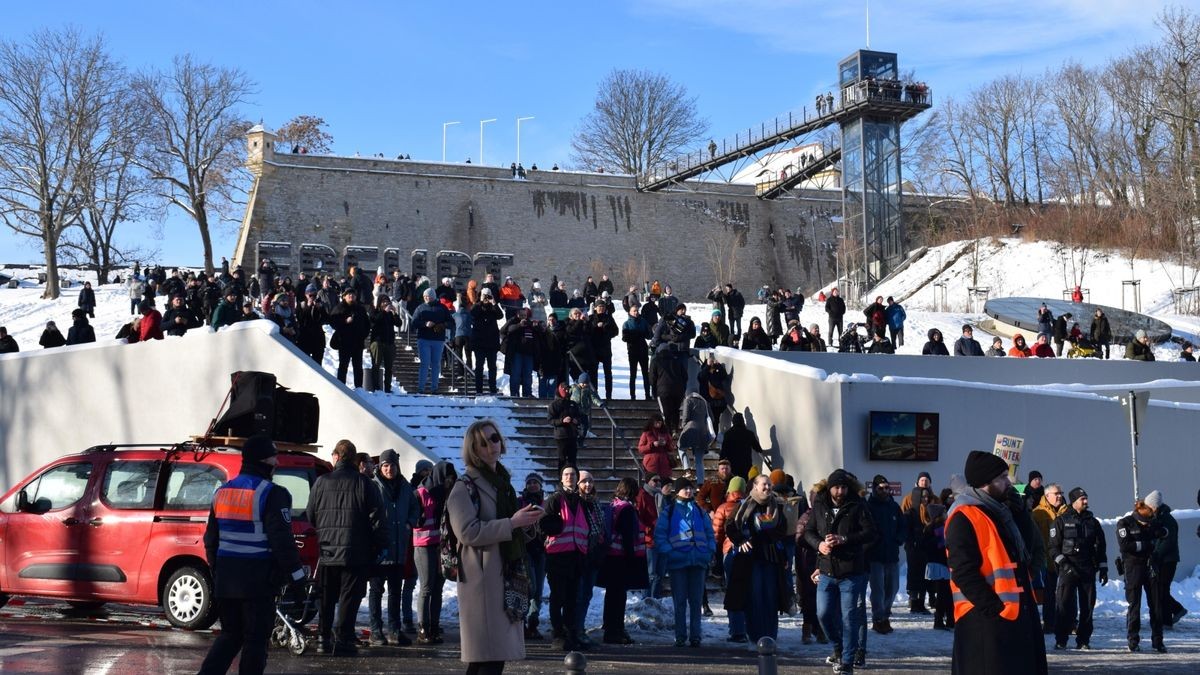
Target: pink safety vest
[616,548]
[426,533]
[574,535]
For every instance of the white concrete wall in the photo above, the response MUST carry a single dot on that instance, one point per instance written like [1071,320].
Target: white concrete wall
[816,420]
[55,402]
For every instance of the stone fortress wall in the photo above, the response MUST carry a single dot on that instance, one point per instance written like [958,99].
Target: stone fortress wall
[554,222]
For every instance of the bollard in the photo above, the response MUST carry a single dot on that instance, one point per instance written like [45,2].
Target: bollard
[766,657]
[576,663]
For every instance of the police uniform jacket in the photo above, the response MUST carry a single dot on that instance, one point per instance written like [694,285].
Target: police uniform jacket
[1077,542]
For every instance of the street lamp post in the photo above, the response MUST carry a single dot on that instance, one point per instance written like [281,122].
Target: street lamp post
[519,120]
[444,125]
[481,123]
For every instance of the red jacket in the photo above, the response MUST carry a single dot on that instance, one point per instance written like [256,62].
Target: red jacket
[150,327]
[656,459]
[1043,350]
[647,513]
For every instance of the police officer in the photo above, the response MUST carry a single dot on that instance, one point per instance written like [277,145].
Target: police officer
[249,540]
[1136,536]
[1077,548]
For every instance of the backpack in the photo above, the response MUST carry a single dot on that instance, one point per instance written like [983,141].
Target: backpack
[449,551]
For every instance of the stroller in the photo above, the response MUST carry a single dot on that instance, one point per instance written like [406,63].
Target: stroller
[1084,348]
[293,612]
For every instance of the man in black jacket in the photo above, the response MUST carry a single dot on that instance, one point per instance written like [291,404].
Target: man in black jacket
[178,319]
[350,328]
[1060,332]
[841,530]
[835,307]
[884,556]
[251,550]
[311,318]
[348,513]
[1077,549]
[401,513]
[601,331]
[485,338]
[636,335]
[737,307]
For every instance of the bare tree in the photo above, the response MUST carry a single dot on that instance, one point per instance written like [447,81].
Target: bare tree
[640,120]
[305,131]
[57,94]
[193,149]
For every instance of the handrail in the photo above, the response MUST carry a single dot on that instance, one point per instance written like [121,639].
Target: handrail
[465,368]
[616,431]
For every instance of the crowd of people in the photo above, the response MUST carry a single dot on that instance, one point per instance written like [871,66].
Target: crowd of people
[998,565]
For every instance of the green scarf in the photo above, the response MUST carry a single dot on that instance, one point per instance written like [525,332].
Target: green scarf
[506,505]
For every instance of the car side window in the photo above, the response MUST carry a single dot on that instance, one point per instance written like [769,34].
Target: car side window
[190,487]
[298,482]
[130,485]
[58,488]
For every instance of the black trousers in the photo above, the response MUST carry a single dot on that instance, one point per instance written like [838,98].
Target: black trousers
[343,587]
[1069,586]
[246,625]
[568,451]
[636,360]
[1137,580]
[670,406]
[346,356]
[614,611]
[594,373]
[835,323]
[485,668]
[916,585]
[563,576]
[485,358]
[1167,605]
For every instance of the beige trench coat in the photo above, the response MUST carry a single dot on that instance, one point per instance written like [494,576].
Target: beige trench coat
[486,632]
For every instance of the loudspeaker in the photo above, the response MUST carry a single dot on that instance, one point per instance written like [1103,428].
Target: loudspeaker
[251,405]
[297,416]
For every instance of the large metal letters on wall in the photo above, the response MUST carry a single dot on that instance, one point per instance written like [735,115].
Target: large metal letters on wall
[310,258]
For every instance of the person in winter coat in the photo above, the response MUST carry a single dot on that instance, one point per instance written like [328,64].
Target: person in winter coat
[684,538]
[668,303]
[1050,506]
[552,366]
[1077,547]
[585,398]
[631,299]
[713,381]
[283,315]
[80,331]
[564,414]
[311,318]
[722,518]
[717,296]
[1042,348]
[351,325]
[806,567]
[696,434]
[896,316]
[590,291]
[538,303]
[1100,331]
[651,313]
[795,339]
[835,308]
[51,337]
[881,345]
[581,357]
[1019,349]
[668,379]
[876,317]
[736,304]
[601,331]
[706,339]
[384,323]
[624,566]
[712,492]
[656,446]
[757,583]
[756,338]
[567,537]
[739,446]
[522,343]
[997,348]
[1045,320]
[967,345]
[675,329]
[431,493]
[346,509]
[460,343]
[1139,349]
[1059,332]
[136,288]
[993,633]
[493,532]
[225,313]
[597,545]
[178,319]
[937,574]
[87,299]
[915,508]
[719,330]
[400,514]
[1165,559]
[841,530]
[432,320]
[635,333]
[535,557]
[485,338]
[851,342]
[935,346]
[774,317]
[884,557]
[150,325]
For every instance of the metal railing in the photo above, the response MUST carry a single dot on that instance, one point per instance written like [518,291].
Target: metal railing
[615,431]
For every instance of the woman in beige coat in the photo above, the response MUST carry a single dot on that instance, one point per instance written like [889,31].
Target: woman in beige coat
[490,529]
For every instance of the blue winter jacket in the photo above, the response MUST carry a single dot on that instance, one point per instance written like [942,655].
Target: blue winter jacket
[896,316]
[682,548]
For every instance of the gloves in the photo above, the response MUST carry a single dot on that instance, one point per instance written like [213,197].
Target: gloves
[1104,575]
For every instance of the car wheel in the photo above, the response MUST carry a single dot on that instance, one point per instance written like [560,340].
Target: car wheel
[187,599]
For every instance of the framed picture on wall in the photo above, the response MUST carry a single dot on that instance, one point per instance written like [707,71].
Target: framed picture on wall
[902,436]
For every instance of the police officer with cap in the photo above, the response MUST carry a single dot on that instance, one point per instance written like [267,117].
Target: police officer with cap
[1077,548]
[249,540]
[1136,535]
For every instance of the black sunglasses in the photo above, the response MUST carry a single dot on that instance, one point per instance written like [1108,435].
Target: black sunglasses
[495,437]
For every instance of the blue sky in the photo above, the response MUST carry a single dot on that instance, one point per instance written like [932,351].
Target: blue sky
[386,75]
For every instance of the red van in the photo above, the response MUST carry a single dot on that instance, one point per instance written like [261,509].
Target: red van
[126,524]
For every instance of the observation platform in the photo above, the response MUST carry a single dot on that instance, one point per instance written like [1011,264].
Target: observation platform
[885,98]
[1021,313]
